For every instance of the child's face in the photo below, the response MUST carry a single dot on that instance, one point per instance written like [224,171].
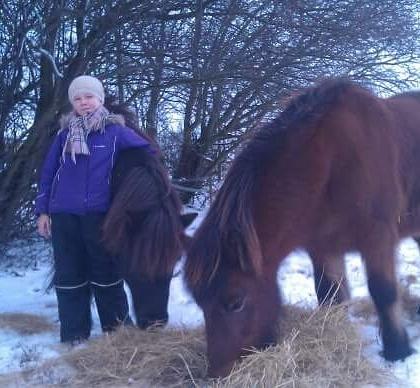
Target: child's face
[85,103]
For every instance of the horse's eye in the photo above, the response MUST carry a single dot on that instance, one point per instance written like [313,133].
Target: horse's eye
[235,305]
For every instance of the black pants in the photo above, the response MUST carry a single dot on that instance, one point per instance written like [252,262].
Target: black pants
[84,269]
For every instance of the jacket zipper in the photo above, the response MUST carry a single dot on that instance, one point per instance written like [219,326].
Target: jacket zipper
[55,180]
[87,179]
[114,146]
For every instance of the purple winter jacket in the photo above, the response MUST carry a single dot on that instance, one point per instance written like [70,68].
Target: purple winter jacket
[66,187]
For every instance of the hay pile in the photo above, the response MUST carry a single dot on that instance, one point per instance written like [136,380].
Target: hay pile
[364,309]
[137,358]
[26,324]
[320,348]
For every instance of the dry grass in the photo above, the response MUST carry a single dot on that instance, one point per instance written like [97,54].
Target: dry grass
[410,304]
[364,308]
[321,349]
[26,324]
[162,357]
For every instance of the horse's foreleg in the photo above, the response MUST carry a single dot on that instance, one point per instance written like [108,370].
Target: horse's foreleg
[330,279]
[382,282]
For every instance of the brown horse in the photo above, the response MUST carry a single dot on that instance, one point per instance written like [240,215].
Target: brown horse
[145,228]
[337,171]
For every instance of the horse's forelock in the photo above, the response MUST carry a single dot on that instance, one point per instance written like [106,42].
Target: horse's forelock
[157,244]
[158,241]
[203,258]
[145,214]
[227,235]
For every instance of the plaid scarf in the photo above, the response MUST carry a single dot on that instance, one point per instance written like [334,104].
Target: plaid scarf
[79,129]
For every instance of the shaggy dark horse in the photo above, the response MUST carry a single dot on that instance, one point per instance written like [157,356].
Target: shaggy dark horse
[337,171]
[145,229]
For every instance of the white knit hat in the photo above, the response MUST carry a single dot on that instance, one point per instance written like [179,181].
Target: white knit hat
[86,84]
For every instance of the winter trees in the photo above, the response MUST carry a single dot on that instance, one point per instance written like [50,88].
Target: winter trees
[199,73]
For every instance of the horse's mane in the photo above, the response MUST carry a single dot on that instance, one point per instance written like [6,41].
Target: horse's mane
[143,224]
[227,235]
[411,94]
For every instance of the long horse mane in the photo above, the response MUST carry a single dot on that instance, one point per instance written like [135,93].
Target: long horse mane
[411,94]
[143,223]
[227,235]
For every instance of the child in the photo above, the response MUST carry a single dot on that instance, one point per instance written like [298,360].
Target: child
[74,196]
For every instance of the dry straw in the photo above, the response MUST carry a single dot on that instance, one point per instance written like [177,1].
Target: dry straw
[321,349]
[364,309]
[26,324]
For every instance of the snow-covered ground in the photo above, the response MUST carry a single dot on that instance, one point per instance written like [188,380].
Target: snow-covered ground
[23,291]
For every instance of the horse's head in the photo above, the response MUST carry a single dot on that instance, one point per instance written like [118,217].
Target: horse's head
[231,283]
[144,224]
[241,312]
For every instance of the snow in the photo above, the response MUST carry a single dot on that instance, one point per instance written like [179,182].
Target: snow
[23,291]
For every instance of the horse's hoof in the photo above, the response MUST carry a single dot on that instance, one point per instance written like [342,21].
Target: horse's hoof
[397,355]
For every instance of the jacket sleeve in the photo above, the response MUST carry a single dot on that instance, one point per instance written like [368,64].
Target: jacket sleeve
[48,172]
[128,138]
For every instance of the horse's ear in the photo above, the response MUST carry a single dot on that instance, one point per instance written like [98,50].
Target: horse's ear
[188,218]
